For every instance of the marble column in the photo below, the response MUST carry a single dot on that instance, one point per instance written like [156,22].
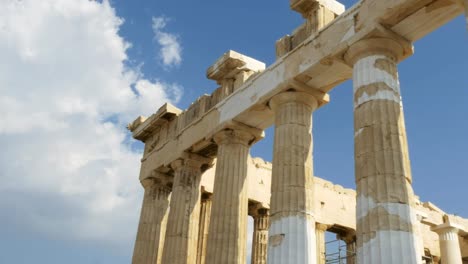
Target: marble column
[260,237]
[320,230]
[350,241]
[152,227]
[386,218]
[227,236]
[450,252]
[183,222]
[292,223]
[205,214]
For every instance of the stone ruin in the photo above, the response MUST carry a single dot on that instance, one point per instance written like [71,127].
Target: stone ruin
[201,184]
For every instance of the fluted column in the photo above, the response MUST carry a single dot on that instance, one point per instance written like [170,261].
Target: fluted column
[385,216]
[205,214]
[260,237]
[227,237]
[350,240]
[152,227]
[292,223]
[450,252]
[182,228]
[320,230]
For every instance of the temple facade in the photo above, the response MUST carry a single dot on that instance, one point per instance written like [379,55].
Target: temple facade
[201,184]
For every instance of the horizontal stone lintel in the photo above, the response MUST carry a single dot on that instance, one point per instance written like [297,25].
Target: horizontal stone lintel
[232,63]
[164,114]
[317,65]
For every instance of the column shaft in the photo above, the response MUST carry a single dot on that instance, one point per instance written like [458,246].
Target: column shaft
[292,228]
[350,241]
[205,214]
[320,230]
[386,219]
[260,238]
[450,252]
[139,250]
[182,229]
[152,227]
[350,253]
[450,247]
[227,242]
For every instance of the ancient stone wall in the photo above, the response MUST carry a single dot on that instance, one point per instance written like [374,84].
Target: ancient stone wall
[204,150]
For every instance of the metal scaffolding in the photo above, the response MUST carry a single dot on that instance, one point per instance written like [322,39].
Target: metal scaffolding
[341,256]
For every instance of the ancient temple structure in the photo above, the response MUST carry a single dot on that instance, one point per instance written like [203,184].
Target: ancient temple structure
[201,184]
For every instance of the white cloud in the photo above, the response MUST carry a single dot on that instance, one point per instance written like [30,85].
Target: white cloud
[171,50]
[66,169]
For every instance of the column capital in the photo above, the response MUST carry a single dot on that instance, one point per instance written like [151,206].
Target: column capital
[257,209]
[238,133]
[155,186]
[293,96]
[233,136]
[321,227]
[348,237]
[395,49]
[206,196]
[258,212]
[161,178]
[148,183]
[261,218]
[447,227]
[191,160]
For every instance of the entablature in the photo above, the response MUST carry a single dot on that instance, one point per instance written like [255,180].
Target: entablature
[316,65]
[142,127]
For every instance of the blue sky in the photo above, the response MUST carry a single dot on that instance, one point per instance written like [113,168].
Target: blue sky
[74,72]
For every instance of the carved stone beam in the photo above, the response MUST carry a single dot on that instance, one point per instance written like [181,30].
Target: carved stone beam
[232,70]
[304,6]
[317,12]
[142,128]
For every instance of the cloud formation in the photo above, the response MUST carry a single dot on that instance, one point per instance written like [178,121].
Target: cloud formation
[171,50]
[65,95]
